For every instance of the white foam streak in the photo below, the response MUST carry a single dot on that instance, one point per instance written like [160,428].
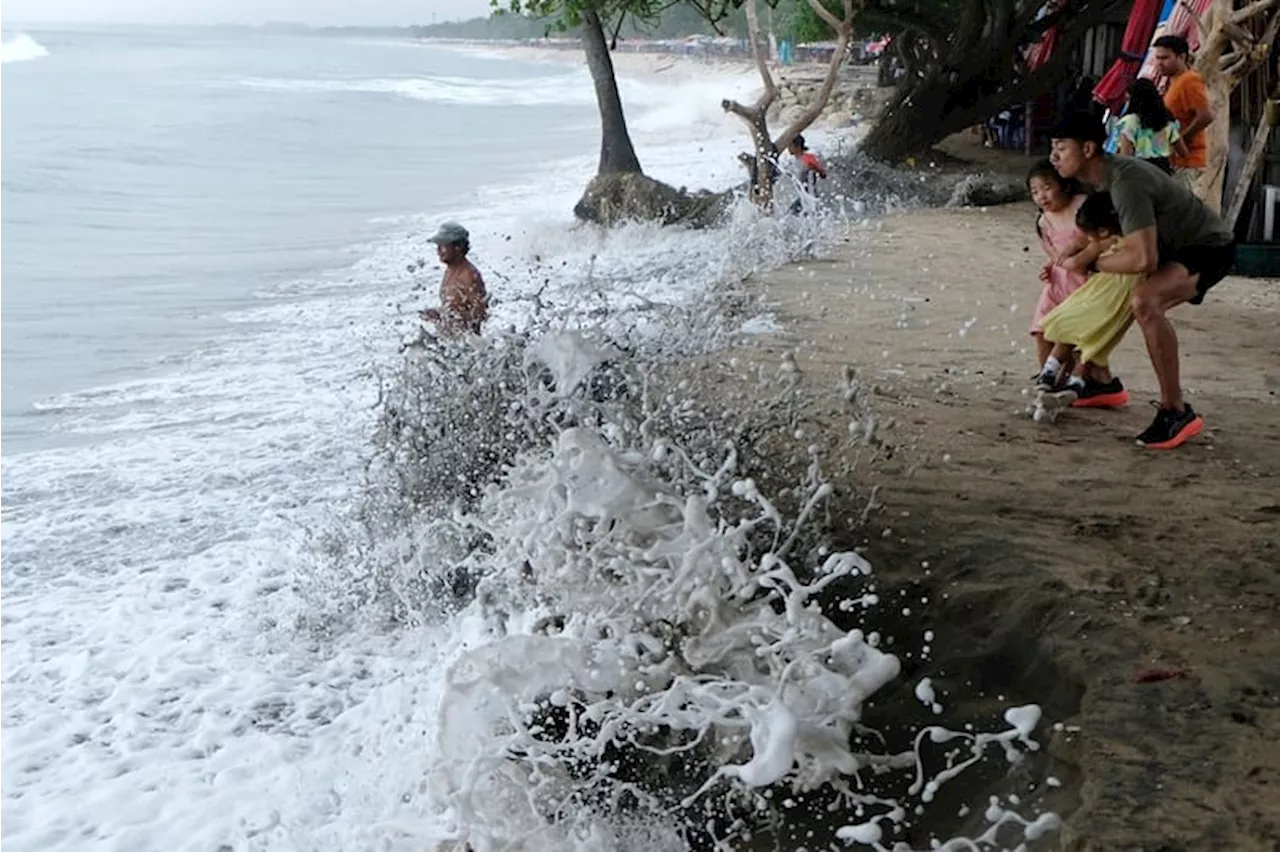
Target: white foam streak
[447,90]
[22,48]
[653,103]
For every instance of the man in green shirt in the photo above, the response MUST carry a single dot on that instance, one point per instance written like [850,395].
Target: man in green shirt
[1183,248]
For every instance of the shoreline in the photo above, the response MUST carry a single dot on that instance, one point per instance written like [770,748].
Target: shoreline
[1074,559]
[854,93]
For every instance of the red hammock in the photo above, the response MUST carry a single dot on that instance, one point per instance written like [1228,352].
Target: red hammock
[1113,88]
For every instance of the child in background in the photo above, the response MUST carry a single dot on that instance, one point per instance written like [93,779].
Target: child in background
[1148,130]
[1091,322]
[1058,201]
[808,170]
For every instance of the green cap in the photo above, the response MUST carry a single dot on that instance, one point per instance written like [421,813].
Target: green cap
[449,233]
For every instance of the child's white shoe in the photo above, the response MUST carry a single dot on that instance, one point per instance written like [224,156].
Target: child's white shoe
[1056,400]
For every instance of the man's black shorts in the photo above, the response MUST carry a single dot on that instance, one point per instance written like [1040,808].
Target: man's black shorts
[1211,262]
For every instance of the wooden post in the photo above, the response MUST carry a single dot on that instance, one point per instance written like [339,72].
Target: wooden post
[1218,85]
[1028,126]
[1252,162]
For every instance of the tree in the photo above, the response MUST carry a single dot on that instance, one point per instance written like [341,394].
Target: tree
[617,154]
[756,115]
[964,62]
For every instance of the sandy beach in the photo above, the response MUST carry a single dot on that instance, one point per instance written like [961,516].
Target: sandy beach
[1064,561]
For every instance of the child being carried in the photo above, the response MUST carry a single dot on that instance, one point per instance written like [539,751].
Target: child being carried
[1092,321]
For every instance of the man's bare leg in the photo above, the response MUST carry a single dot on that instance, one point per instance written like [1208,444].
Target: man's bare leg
[1167,287]
[1095,373]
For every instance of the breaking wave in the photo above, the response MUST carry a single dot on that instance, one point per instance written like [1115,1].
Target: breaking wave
[642,561]
[663,103]
[446,90]
[21,48]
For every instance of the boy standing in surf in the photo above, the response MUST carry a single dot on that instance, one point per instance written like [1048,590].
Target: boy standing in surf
[808,170]
[464,304]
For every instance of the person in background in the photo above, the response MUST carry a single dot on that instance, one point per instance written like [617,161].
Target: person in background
[1188,101]
[464,304]
[1148,130]
[809,170]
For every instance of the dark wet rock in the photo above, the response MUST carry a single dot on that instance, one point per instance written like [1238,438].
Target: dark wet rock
[985,190]
[616,198]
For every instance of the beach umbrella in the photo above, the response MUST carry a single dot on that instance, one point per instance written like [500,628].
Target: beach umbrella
[1180,19]
[1114,85]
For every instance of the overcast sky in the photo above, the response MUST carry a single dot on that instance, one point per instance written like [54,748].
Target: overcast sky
[241,11]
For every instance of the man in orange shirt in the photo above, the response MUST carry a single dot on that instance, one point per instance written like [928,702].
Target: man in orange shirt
[1188,100]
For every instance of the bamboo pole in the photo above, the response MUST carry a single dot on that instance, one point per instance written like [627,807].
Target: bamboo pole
[1252,162]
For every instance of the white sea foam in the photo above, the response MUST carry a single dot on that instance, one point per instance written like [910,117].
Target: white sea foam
[448,90]
[186,668]
[22,48]
[659,103]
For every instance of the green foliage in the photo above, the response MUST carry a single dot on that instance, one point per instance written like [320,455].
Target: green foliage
[499,27]
[674,21]
[565,14]
[806,26]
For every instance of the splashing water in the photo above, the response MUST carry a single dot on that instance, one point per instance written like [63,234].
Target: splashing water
[641,559]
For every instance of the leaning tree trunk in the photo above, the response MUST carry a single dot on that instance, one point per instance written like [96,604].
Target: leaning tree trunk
[916,117]
[617,154]
[960,73]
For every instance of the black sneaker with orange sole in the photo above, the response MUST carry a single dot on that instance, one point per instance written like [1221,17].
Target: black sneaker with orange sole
[1097,394]
[1171,429]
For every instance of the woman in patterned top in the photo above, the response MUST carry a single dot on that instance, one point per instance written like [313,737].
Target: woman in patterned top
[1148,131]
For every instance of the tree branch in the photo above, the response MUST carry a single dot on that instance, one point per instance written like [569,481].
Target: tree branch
[613,40]
[762,64]
[822,12]
[819,103]
[1246,12]
[746,113]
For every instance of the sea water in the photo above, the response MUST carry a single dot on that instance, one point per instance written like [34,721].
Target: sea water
[212,257]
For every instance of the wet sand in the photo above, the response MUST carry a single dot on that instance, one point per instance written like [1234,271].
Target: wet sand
[1063,560]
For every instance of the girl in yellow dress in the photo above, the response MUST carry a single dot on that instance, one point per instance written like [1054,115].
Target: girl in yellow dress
[1091,322]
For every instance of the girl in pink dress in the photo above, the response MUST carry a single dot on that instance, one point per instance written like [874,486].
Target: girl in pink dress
[1058,201]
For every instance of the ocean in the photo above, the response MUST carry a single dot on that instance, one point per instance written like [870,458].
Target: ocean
[211,247]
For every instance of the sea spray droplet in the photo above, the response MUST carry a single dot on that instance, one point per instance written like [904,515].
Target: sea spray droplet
[868,833]
[1042,826]
[1024,719]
